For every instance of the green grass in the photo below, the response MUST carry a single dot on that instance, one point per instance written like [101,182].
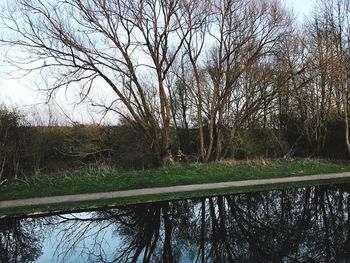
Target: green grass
[39,210]
[103,179]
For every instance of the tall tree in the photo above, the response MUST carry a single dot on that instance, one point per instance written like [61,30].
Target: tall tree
[120,43]
[244,32]
[332,23]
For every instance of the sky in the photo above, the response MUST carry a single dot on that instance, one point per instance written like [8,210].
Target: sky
[300,7]
[22,94]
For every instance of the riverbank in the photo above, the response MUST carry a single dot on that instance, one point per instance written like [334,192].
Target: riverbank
[172,189]
[109,179]
[95,201]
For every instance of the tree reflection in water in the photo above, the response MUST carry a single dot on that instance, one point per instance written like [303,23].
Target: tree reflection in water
[20,240]
[297,225]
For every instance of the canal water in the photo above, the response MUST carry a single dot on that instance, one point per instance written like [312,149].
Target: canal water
[308,224]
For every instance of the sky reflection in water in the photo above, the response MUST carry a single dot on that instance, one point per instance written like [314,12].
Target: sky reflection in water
[296,225]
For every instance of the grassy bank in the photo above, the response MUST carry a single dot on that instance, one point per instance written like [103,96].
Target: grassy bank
[42,210]
[103,180]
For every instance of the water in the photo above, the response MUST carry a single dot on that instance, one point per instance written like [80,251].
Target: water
[297,225]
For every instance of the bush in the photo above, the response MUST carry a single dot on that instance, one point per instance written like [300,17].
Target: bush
[11,144]
[129,148]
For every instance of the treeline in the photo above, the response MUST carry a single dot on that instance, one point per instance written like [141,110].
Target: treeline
[227,73]
[26,149]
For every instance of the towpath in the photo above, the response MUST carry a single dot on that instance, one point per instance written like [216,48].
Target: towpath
[162,190]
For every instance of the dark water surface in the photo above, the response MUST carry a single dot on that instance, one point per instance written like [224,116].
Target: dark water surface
[296,225]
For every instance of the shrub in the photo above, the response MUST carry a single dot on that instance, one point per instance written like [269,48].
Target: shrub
[11,140]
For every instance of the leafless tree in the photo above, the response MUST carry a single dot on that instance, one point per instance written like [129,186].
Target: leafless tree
[222,67]
[125,44]
[245,32]
[330,29]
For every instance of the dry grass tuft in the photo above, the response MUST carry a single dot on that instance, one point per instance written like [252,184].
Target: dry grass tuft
[232,162]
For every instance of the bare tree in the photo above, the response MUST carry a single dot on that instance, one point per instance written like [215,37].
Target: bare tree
[244,32]
[223,67]
[127,45]
[332,26]
[198,17]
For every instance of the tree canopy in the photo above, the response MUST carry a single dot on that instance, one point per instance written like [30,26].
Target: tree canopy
[218,66]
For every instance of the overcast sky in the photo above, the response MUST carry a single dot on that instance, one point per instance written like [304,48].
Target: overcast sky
[300,7]
[21,93]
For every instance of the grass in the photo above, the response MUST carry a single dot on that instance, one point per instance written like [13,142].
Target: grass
[40,210]
[104,180]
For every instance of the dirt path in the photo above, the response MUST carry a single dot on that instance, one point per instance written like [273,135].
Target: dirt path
[161,190]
